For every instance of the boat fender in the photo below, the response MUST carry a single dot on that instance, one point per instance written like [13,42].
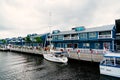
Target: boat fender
[78,51]
[96,52]
[68,50]
[61,50]
[91,51]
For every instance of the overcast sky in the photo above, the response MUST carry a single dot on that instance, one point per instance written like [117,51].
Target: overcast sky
[22,17]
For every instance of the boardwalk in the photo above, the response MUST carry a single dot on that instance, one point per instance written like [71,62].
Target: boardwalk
[72,54]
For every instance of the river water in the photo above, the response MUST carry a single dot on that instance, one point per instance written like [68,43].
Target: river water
[17,66]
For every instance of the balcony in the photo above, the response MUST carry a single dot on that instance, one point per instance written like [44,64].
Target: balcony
[67,38]
[104,36]
[49,39]
[75,38]
[117,37]
[71,38]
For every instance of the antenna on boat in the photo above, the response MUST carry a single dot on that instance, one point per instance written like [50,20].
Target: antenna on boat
[50,14]
[50,22]
[48,34]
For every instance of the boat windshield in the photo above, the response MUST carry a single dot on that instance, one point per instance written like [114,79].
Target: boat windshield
[117,62]
[58,53]
[111,61]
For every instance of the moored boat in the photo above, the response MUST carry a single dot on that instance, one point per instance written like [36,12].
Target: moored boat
[110,64]
[55,56]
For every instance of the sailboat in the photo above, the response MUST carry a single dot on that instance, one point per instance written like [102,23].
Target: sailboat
[55,56]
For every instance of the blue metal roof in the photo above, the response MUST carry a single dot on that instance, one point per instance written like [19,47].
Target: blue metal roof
[94,29]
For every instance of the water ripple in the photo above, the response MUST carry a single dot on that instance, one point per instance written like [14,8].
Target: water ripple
[16,66]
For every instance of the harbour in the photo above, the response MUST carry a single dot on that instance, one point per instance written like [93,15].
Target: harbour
[79,43]
[85,46]
[21,66]
[59,40]
[71,55]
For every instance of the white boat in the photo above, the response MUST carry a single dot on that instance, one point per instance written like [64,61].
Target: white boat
[110,64]
[55,56]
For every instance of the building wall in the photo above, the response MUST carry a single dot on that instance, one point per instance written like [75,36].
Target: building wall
[89,40]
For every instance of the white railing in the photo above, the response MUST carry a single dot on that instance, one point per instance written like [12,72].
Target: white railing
[49,39]
[67,38]
[59,49]
[74,38]
[71,38]
[104,36]
[82,50]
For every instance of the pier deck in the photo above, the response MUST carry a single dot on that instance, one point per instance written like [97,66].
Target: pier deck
[72,55]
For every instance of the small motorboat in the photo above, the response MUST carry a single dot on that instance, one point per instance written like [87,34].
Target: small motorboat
[110,65]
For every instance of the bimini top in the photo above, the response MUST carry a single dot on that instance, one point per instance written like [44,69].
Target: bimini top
[112,55]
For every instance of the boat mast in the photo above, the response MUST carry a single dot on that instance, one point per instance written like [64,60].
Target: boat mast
[50,15]
[49,34]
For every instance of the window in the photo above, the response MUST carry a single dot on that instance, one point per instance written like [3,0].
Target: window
[69,45]
[105,33]
[86,45]
[106,45]
[60,37]
[103,62]
[118,61]
[55,31]
[58,44]
[75,45]
[80,28]
[74,35]
[97,45]
[83,35]
[67,35]
[92,35]
[110,61]
[55,37]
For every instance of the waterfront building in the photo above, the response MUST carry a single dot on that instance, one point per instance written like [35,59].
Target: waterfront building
[21,41]
[16,41]
[107,36]
[37,39]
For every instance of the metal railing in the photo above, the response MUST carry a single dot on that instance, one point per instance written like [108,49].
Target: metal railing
[74,38]
[67,38]
[82,50]
[104,36]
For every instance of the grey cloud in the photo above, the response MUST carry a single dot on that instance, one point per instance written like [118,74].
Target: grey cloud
[23,16]
[4,28]
[81,14]
[85,14]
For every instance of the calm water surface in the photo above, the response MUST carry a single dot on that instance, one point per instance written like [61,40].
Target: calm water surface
[17,66]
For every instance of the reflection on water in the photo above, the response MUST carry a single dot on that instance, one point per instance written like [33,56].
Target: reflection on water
[16,66]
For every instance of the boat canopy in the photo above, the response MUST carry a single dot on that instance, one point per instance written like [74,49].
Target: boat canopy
[112,55]
[54,51]
[58,52]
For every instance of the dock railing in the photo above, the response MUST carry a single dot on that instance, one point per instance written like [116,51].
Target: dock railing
[82,50]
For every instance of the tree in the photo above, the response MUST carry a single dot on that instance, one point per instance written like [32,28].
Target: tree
[4,41]
[38,40]
[27,39]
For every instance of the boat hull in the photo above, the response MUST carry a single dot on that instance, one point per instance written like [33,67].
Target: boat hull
[110,70]
[51,57]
